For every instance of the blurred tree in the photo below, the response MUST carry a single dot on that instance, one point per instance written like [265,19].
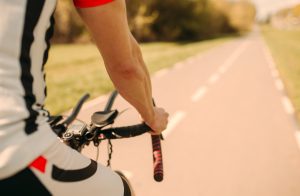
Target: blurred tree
[189,20]
[296,11]
[167,20]
[175,20]
[68,25]
[213,19]
[141,24]
[242,15]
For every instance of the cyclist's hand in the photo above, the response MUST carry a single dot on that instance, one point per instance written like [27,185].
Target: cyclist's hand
[159,122]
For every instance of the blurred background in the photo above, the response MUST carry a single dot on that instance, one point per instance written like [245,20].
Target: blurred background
[170,31]
[228,71]
[172,28]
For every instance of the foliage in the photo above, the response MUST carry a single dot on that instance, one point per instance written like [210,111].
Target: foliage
[288,18]
[183,20]
[296,11]
[197,19]
[293,11]
[242,15]
[169,20]
[68,25]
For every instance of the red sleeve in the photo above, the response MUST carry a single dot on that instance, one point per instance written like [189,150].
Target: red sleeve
[90,3]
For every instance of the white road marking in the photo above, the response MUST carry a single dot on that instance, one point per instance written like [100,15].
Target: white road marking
[235,55]
[214,78]
[279,85]
[222,69]
[161,73]
[297,135]
[288,106]
[270,61]
[173,122]
[269,57]
[274,73]
[95,103]
[229,61]
[199,94]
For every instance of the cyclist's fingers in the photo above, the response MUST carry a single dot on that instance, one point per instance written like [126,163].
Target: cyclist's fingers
[160,122]
[158,131]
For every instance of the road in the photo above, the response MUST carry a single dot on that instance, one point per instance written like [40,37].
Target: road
[232,129]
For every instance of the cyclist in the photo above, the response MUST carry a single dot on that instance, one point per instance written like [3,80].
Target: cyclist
[32,160]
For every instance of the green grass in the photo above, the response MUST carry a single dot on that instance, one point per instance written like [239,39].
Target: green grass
[285,48]
[75,69]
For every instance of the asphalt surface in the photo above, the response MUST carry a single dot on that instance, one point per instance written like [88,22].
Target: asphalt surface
[232,129]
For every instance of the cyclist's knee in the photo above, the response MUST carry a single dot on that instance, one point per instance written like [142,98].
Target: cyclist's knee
[128,191]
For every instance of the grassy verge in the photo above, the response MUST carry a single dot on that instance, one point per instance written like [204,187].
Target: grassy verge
[285,48]
[73,70]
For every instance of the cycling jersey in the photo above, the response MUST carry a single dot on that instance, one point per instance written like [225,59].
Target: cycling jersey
[25,29]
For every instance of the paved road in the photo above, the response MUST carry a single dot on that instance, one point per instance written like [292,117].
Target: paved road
[231,133]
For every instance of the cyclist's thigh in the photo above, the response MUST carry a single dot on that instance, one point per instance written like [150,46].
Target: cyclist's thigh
[64,171]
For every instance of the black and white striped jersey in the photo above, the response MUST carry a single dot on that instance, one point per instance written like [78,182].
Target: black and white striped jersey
[25,29]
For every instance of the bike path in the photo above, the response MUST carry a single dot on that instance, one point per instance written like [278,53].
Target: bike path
[230,135]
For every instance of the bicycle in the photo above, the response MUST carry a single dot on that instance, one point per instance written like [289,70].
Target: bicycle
[77,134]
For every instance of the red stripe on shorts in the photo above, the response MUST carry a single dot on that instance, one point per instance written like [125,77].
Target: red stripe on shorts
[39,164]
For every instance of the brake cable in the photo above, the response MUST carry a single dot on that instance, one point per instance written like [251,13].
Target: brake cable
[110,146]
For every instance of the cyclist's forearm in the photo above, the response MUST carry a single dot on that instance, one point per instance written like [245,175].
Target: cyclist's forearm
[135,88]
[138,55]
[141,60]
